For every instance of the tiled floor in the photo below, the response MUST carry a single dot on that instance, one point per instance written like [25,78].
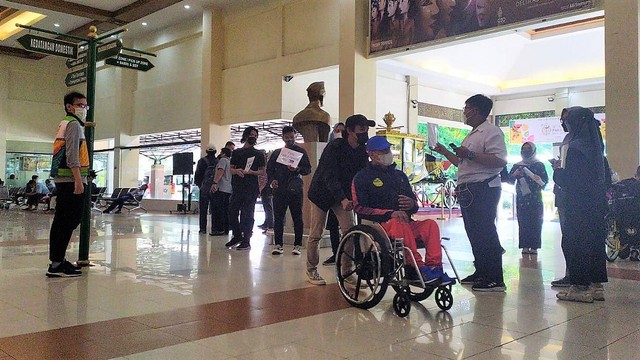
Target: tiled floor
[158,290]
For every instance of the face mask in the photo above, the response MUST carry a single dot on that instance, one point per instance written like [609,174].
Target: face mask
[564,126]
[81,113]
[337,135]
[386,159]
[252,140]
[289,143]
[526,154]
[363,138]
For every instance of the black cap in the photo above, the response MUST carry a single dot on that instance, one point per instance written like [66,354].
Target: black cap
[358,119]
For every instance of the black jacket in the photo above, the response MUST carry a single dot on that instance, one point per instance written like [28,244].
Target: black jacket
[280,172]
[338,164]
[376,190]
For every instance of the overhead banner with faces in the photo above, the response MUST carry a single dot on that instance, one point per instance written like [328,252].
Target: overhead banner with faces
[402,23]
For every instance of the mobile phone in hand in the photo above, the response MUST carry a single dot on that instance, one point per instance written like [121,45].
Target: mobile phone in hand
[553,161]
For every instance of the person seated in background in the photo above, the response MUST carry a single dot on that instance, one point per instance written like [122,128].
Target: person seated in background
[50,186]
[382,193]
[31,195]
[119,202]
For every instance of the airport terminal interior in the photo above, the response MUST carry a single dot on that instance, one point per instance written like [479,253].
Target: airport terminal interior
[189,73]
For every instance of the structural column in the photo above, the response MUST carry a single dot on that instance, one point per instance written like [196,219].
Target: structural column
[212,65]
[4,116]
[622,85]
[357,73]
[126,162]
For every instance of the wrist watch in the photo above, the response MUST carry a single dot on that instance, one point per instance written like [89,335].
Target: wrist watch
[471,155]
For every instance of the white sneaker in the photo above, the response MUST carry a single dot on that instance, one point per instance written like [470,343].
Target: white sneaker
[579,293]
[278,250]
[297,250]
[598,291]
[315,278]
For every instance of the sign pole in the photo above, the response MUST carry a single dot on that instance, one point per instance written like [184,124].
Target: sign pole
[85,224]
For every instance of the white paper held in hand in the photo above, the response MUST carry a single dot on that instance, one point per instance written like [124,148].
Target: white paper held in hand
[249,163]
[533,176]
[289,157]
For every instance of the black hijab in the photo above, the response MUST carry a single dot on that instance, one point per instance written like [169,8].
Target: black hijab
[585,137]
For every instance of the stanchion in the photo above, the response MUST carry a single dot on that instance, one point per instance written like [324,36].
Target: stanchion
[441,190]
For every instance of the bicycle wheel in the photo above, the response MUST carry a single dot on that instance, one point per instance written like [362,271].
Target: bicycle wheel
[613,246]
[450,199]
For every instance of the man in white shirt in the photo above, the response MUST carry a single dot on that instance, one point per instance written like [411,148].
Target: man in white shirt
[480,158]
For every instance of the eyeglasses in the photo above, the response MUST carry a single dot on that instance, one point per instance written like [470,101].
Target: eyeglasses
[83,106]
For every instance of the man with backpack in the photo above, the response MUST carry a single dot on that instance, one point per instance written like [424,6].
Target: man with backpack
[203,178]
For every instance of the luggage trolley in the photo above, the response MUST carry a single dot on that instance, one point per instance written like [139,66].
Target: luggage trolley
[368,261]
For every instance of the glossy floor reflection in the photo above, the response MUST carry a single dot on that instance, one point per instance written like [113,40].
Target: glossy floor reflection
[159,290]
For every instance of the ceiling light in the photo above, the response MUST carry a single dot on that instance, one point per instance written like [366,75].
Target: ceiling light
[8,24]
[187,7]
[144,24]
[56,25]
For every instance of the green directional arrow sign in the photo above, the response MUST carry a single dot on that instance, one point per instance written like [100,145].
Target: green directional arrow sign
[130,62]
[76,77]
[81,60]
[49,46]
[104,51]
[108,50]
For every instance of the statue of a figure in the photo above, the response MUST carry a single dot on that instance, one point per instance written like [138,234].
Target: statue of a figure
[313,122]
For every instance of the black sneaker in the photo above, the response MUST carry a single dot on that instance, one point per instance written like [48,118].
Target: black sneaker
[243,246]
[65,269]
[331,260]
[202,232]
[470,280]
[70,264]
[489,286]
[233,242]
[564,282]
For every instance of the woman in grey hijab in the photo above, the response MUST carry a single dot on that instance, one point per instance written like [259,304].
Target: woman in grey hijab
[581,175]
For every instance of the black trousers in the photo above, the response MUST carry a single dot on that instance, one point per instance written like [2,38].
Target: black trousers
[220,211]
[241,209]
[282,201]
[66,218]
[204,203]
[479,204]
[583,237]
[530,220]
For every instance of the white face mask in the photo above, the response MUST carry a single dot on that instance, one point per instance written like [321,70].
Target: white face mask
[81,113]
[337,135]
[386,159]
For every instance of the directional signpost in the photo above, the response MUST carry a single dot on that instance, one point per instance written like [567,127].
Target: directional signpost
[130,62]
[96,51]
[49,46]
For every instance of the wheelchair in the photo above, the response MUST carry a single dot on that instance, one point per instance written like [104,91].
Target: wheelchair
[368,261]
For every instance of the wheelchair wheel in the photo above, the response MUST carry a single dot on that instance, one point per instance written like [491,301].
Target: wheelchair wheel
[444,299]
[363,266]
[414,290]
[401,304]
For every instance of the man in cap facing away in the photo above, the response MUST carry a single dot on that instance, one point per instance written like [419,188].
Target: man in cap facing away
[205,170]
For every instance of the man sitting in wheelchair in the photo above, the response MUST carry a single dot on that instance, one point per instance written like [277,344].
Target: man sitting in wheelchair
[382,193]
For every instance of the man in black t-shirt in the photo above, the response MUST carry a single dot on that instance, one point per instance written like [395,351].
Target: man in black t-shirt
[247,163]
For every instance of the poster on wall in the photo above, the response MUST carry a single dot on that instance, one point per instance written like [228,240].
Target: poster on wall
[542,130]
[28,163]
[400,23]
